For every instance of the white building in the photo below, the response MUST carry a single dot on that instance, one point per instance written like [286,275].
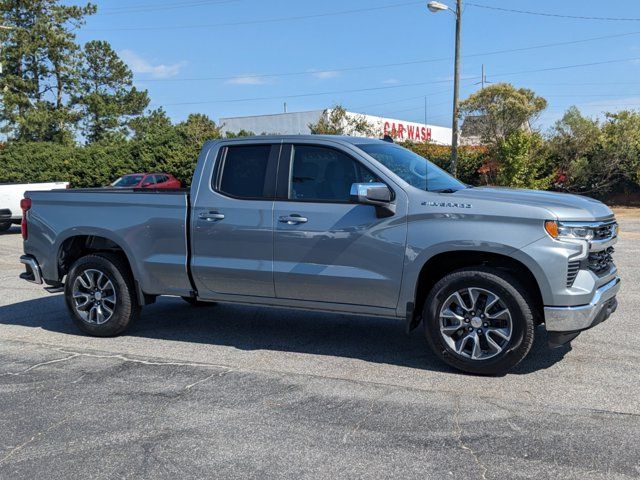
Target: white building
[297,123]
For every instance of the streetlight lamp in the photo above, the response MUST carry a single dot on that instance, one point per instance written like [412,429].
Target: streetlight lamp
[436,7]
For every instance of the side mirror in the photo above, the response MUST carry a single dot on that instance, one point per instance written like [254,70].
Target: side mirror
[376,194]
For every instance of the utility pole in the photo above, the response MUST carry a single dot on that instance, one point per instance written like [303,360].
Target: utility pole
[285,107]
[456,91]
[435,7]
[425,109]
[483,78]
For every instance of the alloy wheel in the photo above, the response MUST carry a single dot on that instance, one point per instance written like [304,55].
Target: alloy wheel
[475,323]
[94,296]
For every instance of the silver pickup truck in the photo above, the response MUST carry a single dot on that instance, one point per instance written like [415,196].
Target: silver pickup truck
[336,224]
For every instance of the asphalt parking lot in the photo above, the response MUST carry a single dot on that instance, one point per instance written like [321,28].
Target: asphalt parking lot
[245,392]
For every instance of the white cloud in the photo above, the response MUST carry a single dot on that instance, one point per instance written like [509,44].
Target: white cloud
[246,80]
[391,81]
[324,74]
[141,65]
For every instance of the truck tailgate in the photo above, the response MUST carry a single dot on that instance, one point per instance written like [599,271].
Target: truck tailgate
[150,226]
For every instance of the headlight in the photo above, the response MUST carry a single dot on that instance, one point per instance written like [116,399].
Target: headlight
[562,231]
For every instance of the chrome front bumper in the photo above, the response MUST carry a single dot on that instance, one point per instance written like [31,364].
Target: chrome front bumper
[574,319]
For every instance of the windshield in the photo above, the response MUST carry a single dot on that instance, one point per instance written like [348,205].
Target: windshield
[127,181]
[412,168]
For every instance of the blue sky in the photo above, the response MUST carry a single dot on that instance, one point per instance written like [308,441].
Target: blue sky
[203,55]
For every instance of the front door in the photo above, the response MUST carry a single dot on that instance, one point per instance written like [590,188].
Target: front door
[232,224]
[326,248]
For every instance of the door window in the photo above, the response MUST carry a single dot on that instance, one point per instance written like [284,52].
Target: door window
[243,172]
[323,174]
[149,180]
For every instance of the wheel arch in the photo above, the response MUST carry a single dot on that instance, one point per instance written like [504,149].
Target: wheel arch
[439,265]
[75,246]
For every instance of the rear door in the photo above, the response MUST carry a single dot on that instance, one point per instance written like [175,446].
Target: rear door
[232,223]
[326,248]
[149,181]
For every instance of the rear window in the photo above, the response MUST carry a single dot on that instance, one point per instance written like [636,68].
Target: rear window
[244,171]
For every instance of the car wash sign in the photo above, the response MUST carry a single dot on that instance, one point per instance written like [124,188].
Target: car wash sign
[402,131]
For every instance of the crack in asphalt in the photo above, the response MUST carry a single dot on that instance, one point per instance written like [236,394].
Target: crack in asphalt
[191,385]
[17,448]
[228,369]
[461,442]
[37,365]
[356,427]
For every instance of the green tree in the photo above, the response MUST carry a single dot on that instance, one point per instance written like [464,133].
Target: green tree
[575,147]
[197,129]
[40,59]
[522,163]
[500,110]
[621,150]
[105,92]
[337,121]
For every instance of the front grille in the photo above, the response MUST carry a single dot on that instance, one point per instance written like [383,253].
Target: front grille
[572,272]
[600,262]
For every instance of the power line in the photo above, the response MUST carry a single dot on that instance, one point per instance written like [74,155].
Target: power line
[387,65]
[404,85]
[555,15]
[314,94]
[564,67]
[156,7]
[259,21]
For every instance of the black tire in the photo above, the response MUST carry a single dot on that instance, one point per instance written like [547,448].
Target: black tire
[127,308]
[514,298]
[4,226]
[194,302]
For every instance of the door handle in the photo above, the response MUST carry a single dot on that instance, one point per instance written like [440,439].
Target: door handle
[211,216]
[292,219]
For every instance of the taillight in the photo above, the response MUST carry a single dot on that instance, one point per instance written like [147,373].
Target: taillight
[25,205]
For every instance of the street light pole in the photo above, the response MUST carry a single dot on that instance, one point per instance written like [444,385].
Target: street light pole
[435,7]
[456,92]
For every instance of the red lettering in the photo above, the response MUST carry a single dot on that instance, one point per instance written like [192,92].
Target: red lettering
[386,128]
[428,134]
[401,130]
[423,134]
[394,132]
[410,130]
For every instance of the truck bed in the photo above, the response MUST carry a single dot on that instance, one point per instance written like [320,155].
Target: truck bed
[151,226]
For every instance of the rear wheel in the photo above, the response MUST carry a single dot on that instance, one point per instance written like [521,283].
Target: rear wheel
[100,295]
[479,320]
[4,226]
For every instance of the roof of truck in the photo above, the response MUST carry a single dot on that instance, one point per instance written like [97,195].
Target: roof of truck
[343,138]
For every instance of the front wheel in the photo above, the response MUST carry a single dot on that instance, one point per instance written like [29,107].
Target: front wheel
[4,226]
[100,295]
[479,320]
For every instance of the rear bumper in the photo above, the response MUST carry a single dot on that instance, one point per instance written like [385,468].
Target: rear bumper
[32,273]
[565,323]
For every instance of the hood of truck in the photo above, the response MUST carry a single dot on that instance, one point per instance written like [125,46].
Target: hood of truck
[564,206]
